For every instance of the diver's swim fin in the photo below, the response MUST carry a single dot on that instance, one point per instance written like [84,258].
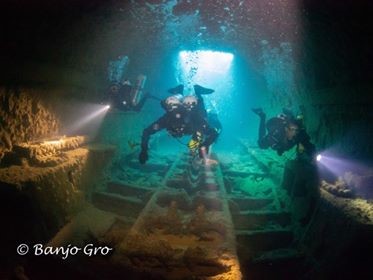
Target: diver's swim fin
[148,95]
[199,90]
[176,90]
[258,111]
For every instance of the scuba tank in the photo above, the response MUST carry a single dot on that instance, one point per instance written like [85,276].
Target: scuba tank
[116,69]
[137,91]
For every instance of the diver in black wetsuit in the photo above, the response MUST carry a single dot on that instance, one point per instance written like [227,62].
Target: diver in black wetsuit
[184,116]
[125,97]
[283,133]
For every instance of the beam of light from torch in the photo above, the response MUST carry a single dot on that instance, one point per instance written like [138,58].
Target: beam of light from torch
[96,115]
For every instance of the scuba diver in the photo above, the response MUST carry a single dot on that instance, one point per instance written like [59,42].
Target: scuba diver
[125,97]
[283,133]
[184,116]
[300,176]
[120,93]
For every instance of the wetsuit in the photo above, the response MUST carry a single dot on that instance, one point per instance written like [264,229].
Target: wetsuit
[178,123]
[276,136]
[120,97]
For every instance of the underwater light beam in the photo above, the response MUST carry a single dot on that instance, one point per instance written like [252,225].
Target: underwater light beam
[96,115]
[338,165]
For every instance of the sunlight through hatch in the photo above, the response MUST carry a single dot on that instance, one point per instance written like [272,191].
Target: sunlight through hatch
[211,69]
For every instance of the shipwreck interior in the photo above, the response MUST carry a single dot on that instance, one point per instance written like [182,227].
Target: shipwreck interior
[75,201]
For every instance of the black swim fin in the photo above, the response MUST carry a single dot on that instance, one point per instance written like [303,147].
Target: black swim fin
[176,90]
[258,111]
[199,90]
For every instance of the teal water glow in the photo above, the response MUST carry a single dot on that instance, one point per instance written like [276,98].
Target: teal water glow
[210,69]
